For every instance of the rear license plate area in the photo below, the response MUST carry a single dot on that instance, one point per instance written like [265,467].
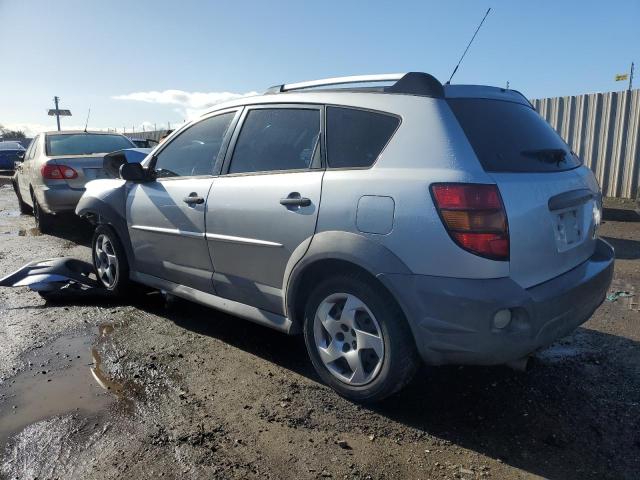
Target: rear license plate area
[94,173]
[568,231]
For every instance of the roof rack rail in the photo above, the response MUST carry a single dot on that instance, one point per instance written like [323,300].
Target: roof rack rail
[412,83]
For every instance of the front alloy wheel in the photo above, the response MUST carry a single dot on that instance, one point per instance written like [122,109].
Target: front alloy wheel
[110,260]
[106,261]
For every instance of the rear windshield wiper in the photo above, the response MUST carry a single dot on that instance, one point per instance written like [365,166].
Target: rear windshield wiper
[547,155]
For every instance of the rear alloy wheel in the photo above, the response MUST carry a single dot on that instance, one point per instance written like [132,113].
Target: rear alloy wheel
[44,220]
[358,338]
[348,339]
[109,260]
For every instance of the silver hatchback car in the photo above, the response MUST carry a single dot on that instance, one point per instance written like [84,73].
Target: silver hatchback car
[404,222]
[50,176]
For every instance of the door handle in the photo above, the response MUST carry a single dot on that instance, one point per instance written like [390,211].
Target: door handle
[193,199]
[295,200]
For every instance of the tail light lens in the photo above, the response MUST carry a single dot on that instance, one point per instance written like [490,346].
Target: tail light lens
[58,172]
[474,216]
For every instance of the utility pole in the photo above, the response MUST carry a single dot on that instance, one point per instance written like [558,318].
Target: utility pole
[56,112]
[55,101]
[631,78]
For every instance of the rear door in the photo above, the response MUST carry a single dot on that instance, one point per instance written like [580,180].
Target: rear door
[552,201]
[166,217]
[263,209]
[22,169]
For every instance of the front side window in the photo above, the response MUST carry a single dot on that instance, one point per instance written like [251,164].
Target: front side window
[85,143]
[355,138]
[277,139]
[194,151]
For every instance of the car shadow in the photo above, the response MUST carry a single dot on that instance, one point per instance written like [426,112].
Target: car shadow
[68,227]
[572,415]
[620,215]
[625,249]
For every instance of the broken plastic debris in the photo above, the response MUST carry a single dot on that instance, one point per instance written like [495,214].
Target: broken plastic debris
[612,297]
[57,278]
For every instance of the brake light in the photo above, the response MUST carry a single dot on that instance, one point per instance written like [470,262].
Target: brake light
[58,172]
[474,217]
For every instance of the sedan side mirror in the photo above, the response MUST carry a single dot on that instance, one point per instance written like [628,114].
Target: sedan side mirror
[20,156]
[134,172]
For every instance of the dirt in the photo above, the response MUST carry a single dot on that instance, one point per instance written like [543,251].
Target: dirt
[173,390]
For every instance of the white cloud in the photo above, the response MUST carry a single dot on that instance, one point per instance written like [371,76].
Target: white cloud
[32,129]
[191,104]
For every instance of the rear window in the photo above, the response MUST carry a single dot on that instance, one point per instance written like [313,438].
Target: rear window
[511,137]
[355,138]
[85,144]
[11,146]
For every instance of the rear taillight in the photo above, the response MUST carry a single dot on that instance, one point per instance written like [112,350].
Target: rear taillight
[474,216]
[58,172]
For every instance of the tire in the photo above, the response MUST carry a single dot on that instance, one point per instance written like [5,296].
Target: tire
[110,261]
[44,220]
[24,208]
[359,371]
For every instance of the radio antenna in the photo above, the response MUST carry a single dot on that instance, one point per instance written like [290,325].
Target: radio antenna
[87,122]
[466,49]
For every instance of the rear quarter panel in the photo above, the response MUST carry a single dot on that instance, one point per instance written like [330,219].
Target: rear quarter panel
[429,146]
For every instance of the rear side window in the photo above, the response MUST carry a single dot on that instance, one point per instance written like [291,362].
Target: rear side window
[194,151]
[355,138]
[511,137]
[276,139]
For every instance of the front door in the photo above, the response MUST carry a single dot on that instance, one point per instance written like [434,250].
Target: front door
[263,209]
[166,217]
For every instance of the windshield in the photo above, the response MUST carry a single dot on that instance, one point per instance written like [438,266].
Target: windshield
[85,144]
[511,137]
[10,146]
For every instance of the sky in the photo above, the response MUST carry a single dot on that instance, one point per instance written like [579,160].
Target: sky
[145,63]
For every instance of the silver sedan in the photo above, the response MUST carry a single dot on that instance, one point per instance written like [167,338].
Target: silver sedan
[50,177]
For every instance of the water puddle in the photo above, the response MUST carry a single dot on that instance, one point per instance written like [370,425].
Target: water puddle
[62,377]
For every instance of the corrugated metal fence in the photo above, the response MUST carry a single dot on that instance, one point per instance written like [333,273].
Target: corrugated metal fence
[604,130]
[152,134]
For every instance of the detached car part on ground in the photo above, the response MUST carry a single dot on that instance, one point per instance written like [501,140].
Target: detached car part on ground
[413,221]
[57,279]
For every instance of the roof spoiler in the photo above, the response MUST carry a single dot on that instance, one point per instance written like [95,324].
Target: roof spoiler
[411,83]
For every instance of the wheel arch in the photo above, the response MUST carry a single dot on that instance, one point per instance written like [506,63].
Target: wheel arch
[333,253]
[100,211]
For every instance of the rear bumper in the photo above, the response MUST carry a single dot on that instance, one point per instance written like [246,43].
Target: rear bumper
[58,198]
[452,319]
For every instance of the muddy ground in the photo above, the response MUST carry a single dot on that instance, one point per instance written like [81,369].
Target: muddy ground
[157,390]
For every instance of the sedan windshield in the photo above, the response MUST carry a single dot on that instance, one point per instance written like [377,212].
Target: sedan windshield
[85,144]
